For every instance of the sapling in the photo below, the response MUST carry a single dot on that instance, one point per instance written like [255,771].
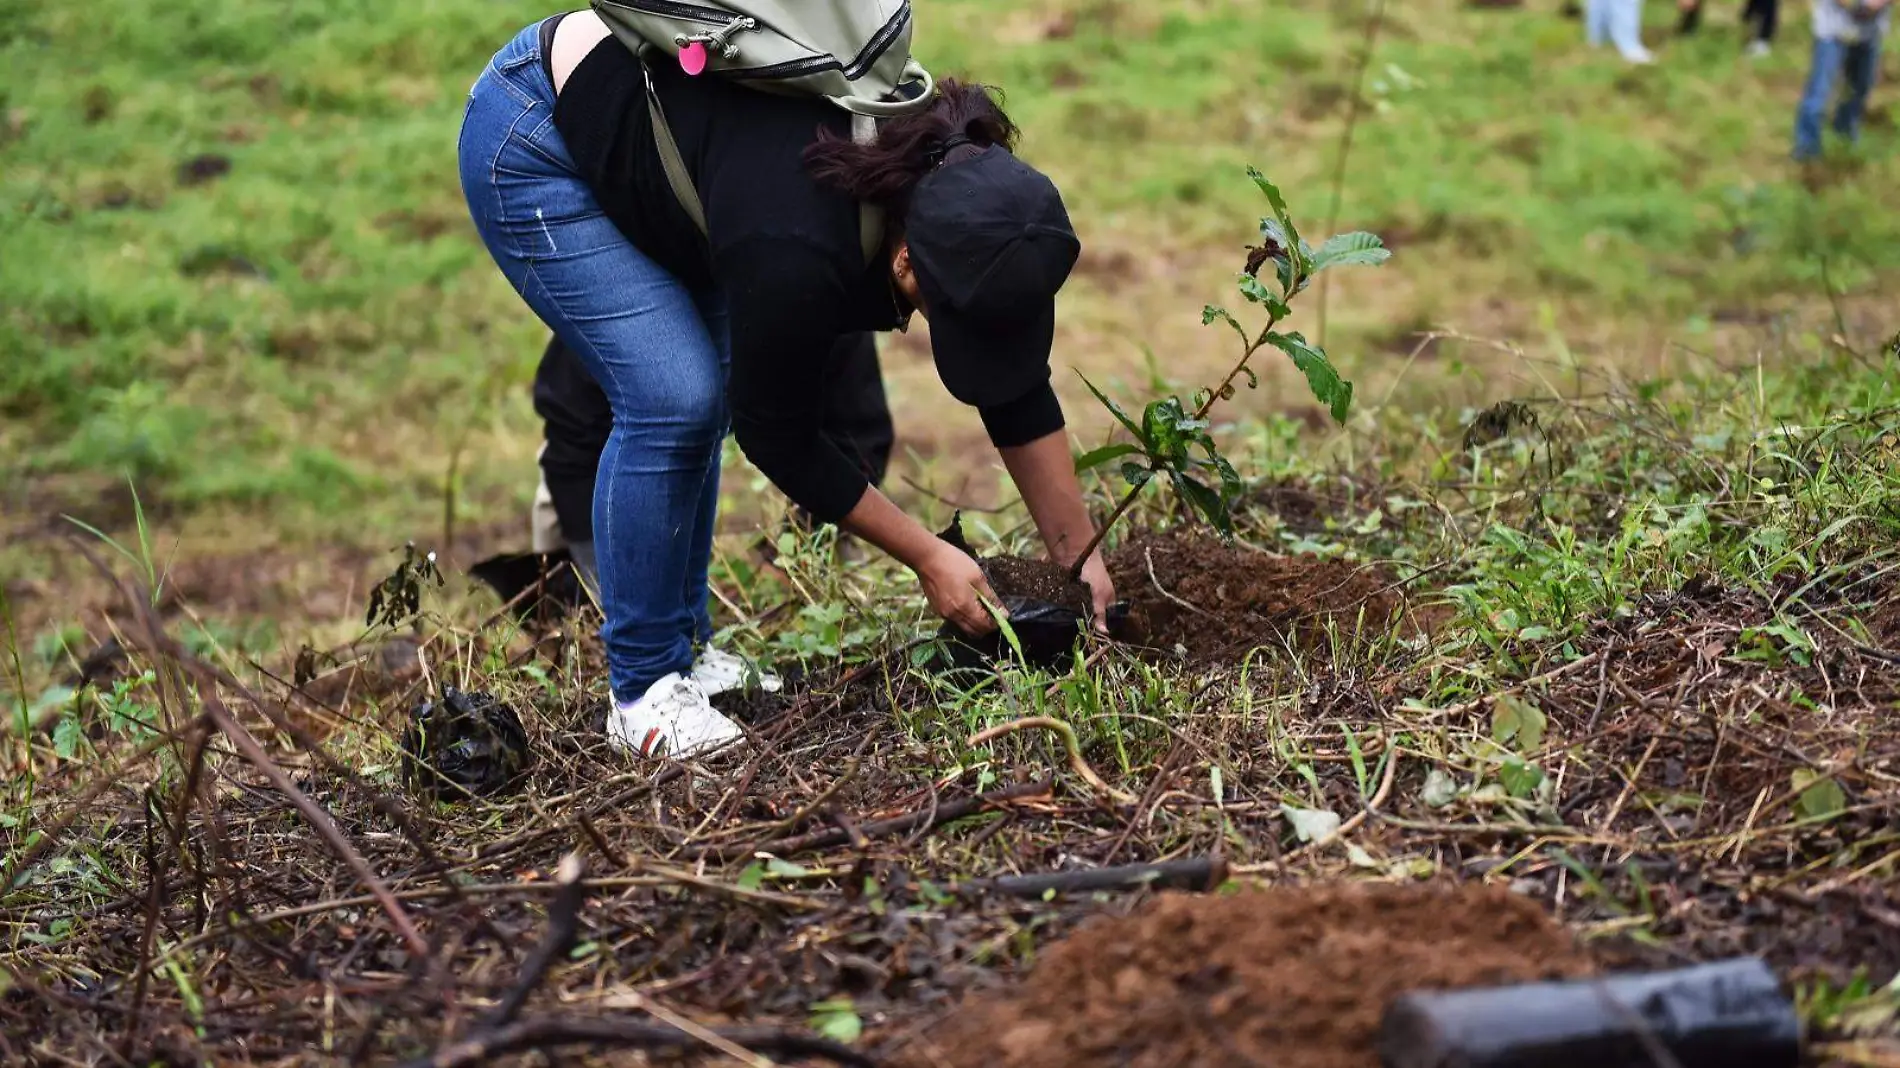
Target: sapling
[1173,441]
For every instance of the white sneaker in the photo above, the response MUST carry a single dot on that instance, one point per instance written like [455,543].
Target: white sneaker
[673,718]
[1759,49]
[718,672]
[1640,57]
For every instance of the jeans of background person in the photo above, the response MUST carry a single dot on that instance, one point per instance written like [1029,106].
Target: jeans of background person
[659,352]
[1859,63]
[1620,22]
[577,420]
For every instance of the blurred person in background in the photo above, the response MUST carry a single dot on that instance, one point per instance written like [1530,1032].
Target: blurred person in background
[1761,17]
[1847,35]
[1620,22]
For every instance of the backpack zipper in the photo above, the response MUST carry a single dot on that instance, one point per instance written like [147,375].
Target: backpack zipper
[711,16]
[863,61]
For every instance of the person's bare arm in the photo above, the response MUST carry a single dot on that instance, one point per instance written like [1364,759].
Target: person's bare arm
[1044,473]
[951,579]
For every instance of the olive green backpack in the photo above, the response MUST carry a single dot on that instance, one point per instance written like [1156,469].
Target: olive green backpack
[854,53]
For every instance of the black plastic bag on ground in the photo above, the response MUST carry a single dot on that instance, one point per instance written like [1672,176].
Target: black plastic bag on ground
[1045,630]
[465,744]
[1729,1014]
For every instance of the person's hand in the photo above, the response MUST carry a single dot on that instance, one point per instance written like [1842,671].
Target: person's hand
[953,583]
[1095,573]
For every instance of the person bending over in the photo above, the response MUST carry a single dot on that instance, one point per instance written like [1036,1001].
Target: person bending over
[686,333]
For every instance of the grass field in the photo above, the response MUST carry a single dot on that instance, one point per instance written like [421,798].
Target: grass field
[299,349]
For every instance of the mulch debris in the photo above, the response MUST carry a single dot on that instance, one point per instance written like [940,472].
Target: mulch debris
[838,865]
[1208,601]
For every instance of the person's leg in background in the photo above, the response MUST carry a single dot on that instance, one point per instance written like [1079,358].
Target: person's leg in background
[639,334]
[1861,66]
[1626,31]
[1828,54]
[1596,21]
[1691,17]
[576,421]
[1765,17]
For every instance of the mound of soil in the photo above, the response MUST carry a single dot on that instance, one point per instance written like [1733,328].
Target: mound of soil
[1295,978]
[1216,600]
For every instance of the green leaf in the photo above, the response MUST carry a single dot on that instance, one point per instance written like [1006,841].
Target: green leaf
[68,736]
[1211,313]
[1113,408]
[1097,457]
[837,1019]
[1821,798]
[1135,474]
[1274,199]
[1321,376]
[785,869]
[1521,779]
[1357,249]
[1513,718]
[752,877]
[1256,291]
[1205,501]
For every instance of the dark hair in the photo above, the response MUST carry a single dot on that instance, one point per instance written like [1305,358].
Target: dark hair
[885,171]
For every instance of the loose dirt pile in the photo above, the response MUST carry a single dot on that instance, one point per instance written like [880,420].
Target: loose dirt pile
[1295,978]
[1216,600]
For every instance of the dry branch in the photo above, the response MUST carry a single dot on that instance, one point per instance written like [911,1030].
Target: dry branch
[1197,874]
[1069,744]
[319,820]
[924,820]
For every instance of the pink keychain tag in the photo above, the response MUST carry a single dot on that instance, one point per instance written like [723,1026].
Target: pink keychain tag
[693,58]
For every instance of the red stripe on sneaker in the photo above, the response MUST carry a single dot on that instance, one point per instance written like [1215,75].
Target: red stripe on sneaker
[651,742]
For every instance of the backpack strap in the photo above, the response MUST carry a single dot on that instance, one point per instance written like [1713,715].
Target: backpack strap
[671,161]
[863,131]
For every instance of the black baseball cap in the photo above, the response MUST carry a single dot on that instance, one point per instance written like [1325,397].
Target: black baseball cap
[991,244]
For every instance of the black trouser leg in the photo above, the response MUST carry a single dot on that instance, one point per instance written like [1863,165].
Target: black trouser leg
[577,420]
[1691,18]
[1765,15]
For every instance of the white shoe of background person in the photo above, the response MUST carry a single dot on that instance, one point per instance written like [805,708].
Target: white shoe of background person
[1640,57]
[719,672]
[674,718]
[1759,49]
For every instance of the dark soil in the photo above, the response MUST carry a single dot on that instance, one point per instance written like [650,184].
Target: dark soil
[1295,978]
[1014,576]
[1213,601]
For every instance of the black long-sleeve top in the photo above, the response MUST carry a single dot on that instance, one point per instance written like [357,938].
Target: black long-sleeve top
[784,251]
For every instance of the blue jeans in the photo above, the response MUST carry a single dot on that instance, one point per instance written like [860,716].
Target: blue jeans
[1619,22]
[658,350]
[1860,62]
